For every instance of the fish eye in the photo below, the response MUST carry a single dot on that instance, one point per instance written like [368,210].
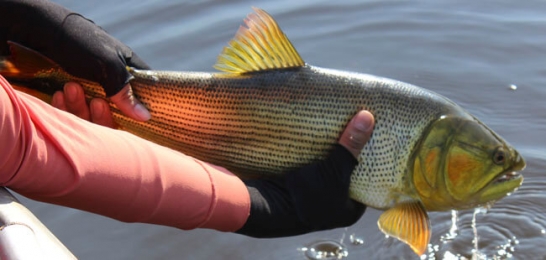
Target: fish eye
[499,156]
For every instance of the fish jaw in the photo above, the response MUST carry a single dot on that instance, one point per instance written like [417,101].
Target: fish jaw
[462,164]
[507,181]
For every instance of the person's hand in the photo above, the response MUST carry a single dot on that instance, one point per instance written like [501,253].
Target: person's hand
[72,100]
[78,45]
[315,197]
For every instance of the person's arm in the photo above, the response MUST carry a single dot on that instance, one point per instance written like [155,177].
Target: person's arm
[52,156]
[79,46]
[294,203]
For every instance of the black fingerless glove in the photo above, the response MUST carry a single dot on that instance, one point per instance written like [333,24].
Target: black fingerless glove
[79,46]
[309,199]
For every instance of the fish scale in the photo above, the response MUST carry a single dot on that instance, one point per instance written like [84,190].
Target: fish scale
[380,180]
[269,123]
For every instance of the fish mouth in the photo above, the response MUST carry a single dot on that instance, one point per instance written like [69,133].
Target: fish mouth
[503,184]
[507,176]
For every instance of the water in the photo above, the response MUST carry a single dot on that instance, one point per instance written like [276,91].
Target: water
[325,250]
[473,52]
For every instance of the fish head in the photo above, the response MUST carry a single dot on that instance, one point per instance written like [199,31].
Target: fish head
[460,163]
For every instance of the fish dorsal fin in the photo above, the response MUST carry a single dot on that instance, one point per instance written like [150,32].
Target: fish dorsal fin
[408,222]
[261,45]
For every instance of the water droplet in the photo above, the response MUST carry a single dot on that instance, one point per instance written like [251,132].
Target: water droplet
[356,240]
[476,252]
[543,231]
[505,251]
[453,231]
[450,256]
[326,250]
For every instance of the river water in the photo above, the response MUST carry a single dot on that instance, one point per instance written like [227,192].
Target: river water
[488,56]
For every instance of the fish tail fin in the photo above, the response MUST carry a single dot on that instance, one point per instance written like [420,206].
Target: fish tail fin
[32,72]
[24,62]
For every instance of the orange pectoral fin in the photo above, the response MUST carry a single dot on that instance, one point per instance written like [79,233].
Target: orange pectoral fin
[409,223]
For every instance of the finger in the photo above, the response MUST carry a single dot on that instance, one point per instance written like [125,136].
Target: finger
[100,113]
[129,105]
[357,133]
[58,100]
[75,100]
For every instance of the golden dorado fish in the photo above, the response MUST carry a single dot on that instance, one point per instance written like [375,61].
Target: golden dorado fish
[268,112]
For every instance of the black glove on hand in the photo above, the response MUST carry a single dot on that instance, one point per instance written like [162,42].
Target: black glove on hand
[79,46]
[309,199]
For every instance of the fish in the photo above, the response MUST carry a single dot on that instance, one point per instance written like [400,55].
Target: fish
[267,112]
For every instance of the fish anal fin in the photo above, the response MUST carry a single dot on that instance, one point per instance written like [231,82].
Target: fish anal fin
[409,223]
[261,45]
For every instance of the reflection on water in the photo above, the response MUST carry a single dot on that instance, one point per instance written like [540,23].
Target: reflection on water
[473,52]
[503,251]
[356,240]
[329,249]
[476,254]
[452,234]
[325,250]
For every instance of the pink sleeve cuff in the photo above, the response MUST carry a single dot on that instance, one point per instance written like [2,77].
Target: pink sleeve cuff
[229,208]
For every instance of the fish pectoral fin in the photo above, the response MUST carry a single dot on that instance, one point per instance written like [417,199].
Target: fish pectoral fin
[261,45]
[409,223]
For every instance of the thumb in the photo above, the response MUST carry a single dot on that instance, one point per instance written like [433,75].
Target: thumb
[129,105]
[357,133]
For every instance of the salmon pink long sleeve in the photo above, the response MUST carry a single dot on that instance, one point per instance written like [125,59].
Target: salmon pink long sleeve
[53,156]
